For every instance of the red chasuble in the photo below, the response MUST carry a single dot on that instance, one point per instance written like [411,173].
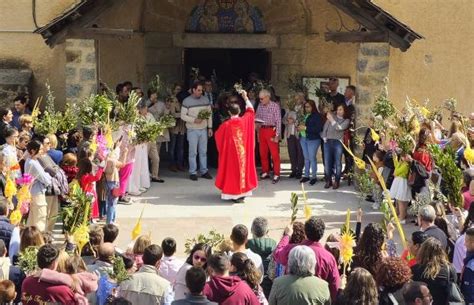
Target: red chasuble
[235,140]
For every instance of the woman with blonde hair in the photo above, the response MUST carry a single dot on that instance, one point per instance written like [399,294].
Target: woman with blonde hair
[434,269]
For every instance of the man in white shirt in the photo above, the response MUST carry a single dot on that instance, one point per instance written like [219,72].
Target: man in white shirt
[239,237]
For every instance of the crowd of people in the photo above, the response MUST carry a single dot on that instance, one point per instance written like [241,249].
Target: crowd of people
[249,268]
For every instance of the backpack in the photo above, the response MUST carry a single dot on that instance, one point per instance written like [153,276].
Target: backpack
[417,176]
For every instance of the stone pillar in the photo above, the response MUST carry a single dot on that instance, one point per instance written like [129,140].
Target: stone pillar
[372,68]
[81,69]
[162,57]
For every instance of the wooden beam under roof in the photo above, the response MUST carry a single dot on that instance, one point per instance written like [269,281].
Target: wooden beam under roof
[356,36]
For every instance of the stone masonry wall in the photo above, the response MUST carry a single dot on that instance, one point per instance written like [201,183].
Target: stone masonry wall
[372,68]
[81,69]
[12,83]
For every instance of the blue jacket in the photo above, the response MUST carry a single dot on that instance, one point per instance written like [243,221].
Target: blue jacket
[6,229]
[467,281]
[314,126]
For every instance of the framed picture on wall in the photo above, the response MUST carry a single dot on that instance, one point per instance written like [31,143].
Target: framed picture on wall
[322,82]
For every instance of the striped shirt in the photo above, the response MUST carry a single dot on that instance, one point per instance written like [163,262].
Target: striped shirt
[270,114]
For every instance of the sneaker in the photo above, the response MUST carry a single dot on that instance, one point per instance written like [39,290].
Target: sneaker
[264,176]
[158,180]
[136,193]
[193,177]
[275,179]
[206,176]
[304,180]
[125,200]
[143,189]
[313,181]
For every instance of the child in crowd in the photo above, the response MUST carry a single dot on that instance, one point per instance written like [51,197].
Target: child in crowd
[138,249]
[7,292]
[113,164]
[69,166]
[400,190]
[170,264]
[377,192]
[87,179]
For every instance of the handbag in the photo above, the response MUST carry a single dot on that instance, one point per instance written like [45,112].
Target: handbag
[453,292]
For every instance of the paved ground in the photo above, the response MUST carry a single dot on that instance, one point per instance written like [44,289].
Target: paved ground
[182,208]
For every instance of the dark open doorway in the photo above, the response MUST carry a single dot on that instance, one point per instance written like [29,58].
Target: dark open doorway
[231,65]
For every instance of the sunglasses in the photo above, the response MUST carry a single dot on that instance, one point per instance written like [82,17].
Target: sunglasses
[199,258]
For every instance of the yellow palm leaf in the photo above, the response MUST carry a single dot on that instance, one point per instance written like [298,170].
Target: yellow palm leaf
[10,188]
[469,155]
[346,247]
[15,217]
[358,161]
[308,211]
[374,135]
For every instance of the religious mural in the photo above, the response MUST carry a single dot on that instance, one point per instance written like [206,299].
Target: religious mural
[225,16]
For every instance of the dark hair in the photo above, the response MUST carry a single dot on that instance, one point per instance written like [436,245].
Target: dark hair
[33,147]
[119,301]
[87,132]
[239,234]
[85,167]
[127,83]
[314,109]
[199,247]
[150,92]
[351,87]
[169,246]
[152,255]
[127,261]
[368,252]
[3,248]
[392,273]
[219,263]
[314,229]
[418,237]
[298,233]
[379,154]
[412,291]
[3,207]
[9,131]
[246,269]
[47,254]
[195,280]
[21,98]
[361,288]
[470,232]
[3,112]
[469,219]
[195,85]
[111,232]
[234,108]
[422,137]
[119,88]
[441,223]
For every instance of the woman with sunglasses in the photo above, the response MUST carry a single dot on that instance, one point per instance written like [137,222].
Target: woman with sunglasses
[198,258]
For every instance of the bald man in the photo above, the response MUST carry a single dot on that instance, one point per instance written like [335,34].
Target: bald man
[103,265]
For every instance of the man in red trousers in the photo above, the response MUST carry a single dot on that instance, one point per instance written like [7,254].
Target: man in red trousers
[235,141]
[269,117]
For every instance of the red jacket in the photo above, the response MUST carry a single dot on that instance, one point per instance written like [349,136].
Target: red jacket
[35,292]
[229,290]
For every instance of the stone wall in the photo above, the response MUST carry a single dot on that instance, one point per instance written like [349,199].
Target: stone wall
[81,69]
[372,69]
[12,83]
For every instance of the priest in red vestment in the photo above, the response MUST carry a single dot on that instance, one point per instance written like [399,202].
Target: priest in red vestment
[235,140]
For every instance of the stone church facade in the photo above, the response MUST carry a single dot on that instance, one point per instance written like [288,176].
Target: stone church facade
[79,43]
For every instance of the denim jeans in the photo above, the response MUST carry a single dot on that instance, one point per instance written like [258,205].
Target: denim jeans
[310,149]
[176,149]
[197,139]
[111,201]
[332,159]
